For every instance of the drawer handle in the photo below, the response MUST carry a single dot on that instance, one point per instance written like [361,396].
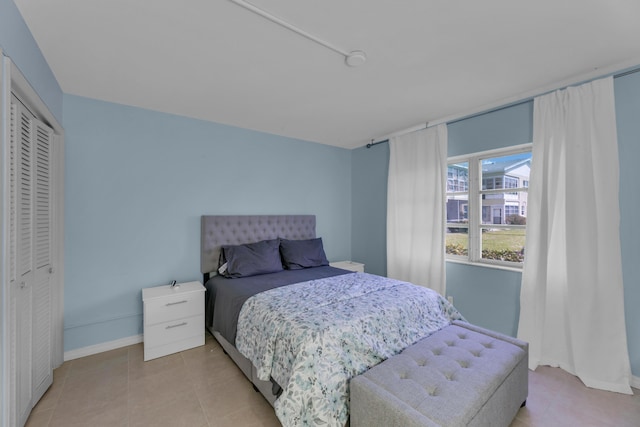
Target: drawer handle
[177,302]
[176,326]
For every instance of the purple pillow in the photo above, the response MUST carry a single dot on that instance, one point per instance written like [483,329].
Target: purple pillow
[298,254]
[251,259]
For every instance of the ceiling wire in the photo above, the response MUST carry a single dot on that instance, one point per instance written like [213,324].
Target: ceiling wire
[353,58]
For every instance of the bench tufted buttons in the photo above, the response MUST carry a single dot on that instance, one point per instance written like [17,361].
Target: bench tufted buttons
[450,343]
[433,392]
[487,345]
[404,376]
[463,363]
[422,362]
[437,352]
[462,336]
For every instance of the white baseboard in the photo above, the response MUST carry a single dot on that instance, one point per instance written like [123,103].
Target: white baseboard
[635,382]
[99,348]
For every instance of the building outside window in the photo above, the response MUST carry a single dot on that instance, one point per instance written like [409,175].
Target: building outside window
[487,216]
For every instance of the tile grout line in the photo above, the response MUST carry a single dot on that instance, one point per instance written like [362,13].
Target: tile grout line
[196,393]
[62,389]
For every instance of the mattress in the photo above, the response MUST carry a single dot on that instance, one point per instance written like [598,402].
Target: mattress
[225,297]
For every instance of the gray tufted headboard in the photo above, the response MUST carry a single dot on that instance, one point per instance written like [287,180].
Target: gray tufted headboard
[218,230]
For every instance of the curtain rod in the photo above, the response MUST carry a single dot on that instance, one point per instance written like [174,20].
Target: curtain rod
[402,132]
[371,144]
[491,110]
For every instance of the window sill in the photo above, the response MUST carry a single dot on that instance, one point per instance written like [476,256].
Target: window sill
[485,264]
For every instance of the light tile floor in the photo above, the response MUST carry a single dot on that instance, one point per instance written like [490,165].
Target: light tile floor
[203,387]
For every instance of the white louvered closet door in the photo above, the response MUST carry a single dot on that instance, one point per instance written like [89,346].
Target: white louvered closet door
[42,372]
[22,287]
[30,255]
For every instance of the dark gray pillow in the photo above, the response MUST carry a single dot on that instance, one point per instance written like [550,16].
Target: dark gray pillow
[251,259]
[298,254]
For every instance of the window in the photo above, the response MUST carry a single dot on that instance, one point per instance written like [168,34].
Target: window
[510,182]
[457,178]
[510,210]
[486,206]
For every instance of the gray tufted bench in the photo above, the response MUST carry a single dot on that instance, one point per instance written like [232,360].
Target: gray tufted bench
[462,375]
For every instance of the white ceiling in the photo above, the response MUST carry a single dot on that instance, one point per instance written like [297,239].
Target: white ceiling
[426,59]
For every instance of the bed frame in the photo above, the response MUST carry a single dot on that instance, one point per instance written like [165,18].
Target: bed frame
[219,230]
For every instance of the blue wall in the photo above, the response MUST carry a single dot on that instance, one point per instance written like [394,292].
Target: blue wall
[498,129]
[486,296]
[370,168]
[137,182]
[627,93]
[18,44]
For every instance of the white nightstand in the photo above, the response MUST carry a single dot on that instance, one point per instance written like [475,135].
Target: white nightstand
[348,265]
[173,318]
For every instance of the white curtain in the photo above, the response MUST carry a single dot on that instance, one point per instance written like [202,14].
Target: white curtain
[571,302]
[416,207]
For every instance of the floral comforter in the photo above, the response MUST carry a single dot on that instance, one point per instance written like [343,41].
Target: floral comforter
[312,337]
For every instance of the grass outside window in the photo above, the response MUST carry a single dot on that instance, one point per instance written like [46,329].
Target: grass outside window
[497,244]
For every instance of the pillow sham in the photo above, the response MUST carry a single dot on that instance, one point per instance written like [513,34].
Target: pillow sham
[298,254]
[250,259]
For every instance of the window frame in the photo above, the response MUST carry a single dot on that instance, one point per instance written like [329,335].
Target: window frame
[474,203]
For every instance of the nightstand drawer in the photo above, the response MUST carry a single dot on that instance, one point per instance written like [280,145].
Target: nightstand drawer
[173,307]
[175,330]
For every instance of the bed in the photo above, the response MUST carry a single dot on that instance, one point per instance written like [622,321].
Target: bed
[301,330]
